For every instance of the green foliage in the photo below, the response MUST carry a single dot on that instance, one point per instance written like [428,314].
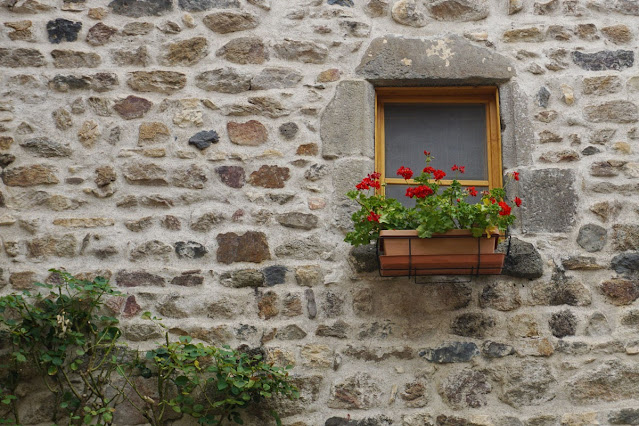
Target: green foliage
[209,383]
[438,208]
[62,334]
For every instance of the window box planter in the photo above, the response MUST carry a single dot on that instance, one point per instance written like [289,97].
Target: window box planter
[456,252]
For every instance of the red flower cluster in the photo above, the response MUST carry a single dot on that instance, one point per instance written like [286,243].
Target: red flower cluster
[516,175]
[505,209]
[421,191]
[405,172]
[472,191]
[439,174]
[517,201]
[373,217]
[461,169]
[426,152]
[429,169]
[370,181]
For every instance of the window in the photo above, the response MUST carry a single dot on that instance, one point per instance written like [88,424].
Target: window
[458,125]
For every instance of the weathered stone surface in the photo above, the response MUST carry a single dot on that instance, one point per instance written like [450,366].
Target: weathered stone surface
[21,57]
[62,118]
[48,245]
[355,392]
[190,249]
[290,332]
[166,82]
[274,275]
[36,174]
[100,34]
[563,324]
[153,132]
[618,34]
[249,247]
[620,292]
[229,21]
[625,263]
[303,51]
[145,174]
[207,221]
[447,60]
[525,383]
[267,305]
[244,50]
[458,10]
[348,118]
[364,258]
[152,250]
[610,381]
[192,177]
[529,35]
[451,353]
[132,107]
[251,133]
[581,263]
[243,278]
[612,112]
[21,30]
[592,238]
[561,156]
[626,416]
[22,280]
[60,30]
[139,8]
[501,295]
[339,330]
[472,324]
[204,139]
[138,57]
[604,60]
[6,160]
[75,59]
[376,8]
[6,142]
[298,220]
[496,350]
[310,248]
[186,52]
[415,395]
[270,177]
[625,237]
[523,261]
[547,136]
[233,176]
[224,80]
[202,5]
[409,12]
[561,292]
[466,389]
[44,147]
[602,85]
[548,187]
[139,225]
[276,78]
[354,28]
[84,222]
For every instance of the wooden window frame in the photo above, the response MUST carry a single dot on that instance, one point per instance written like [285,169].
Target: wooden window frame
[486,95]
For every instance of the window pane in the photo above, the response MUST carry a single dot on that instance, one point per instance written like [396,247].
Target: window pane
[398,192]
[453,133]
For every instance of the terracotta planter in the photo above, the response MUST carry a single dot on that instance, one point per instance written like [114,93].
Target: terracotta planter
[456,252]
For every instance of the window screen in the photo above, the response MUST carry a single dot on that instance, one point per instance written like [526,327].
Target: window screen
[453,133]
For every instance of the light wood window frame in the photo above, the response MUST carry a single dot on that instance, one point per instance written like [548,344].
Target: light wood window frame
[486,95]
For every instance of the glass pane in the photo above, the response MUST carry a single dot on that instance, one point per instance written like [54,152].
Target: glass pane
[453,133]
[398,192]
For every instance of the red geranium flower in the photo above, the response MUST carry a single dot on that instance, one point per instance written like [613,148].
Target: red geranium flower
[405,172]
[373,217]
[439,174]
[454,167]
[516,175]
[505,209]
[462,169]
[421,191]
[426,153]
[517,201]
[429,169]
[472,191]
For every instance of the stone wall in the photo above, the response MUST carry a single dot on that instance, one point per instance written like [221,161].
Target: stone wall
[197,152]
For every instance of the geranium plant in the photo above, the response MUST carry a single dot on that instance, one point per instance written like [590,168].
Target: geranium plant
[438,208]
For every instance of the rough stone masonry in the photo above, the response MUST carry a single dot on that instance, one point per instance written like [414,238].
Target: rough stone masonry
[197,152]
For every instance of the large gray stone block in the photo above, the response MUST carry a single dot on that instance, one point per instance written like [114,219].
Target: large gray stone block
[444,59]
[347,125]
[550,200]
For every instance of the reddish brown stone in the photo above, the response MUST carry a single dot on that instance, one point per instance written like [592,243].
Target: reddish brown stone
[308,149]
[35,174]
[267,305]
[244,50]
[249,247]
[100,34]
[132,107]
[251,133]
[232,176]
[620,292]
[270,177]
[131,307]
[188,280]
[22,280]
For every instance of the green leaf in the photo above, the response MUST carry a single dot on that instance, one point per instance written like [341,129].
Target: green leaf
[177,408]
[221,385]
[87,419]
[20,357]
[52,370]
